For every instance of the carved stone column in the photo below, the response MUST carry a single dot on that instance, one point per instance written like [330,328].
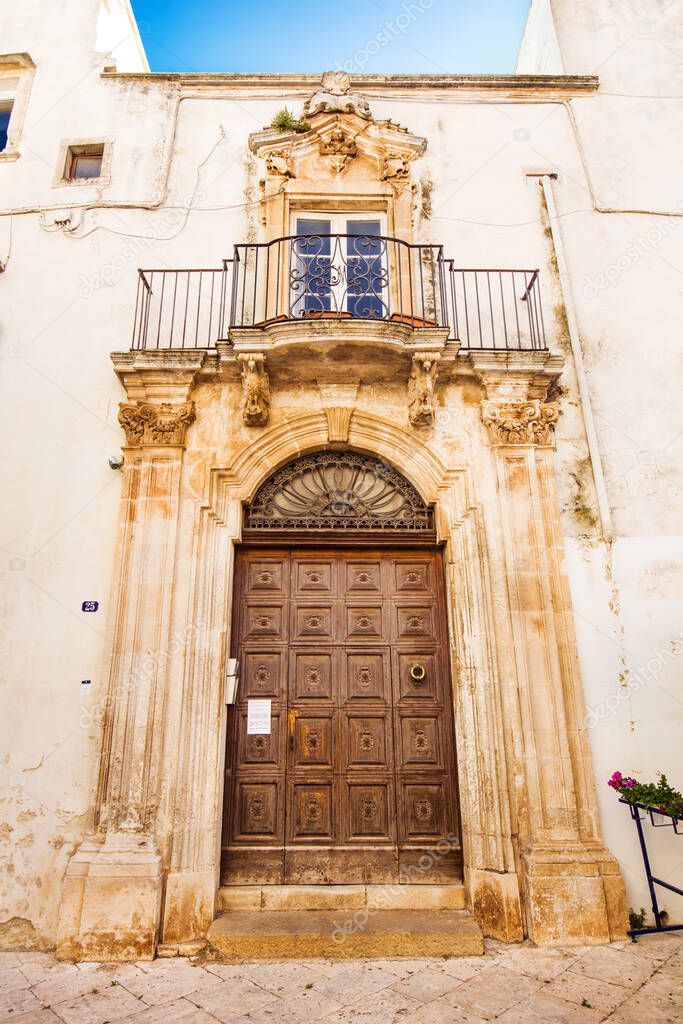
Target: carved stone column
[113,889]
[572,890]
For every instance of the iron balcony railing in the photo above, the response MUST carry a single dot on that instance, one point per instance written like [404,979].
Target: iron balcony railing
[341,276]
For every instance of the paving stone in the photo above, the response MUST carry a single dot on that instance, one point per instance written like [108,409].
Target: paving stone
[176,978]
[513,984]
[307,1006]
[543,1008]
[640,1010]
[426,985]
[110,1004]
[351,986]
[20,1000]
[386,1007]
[440,1011]
[492,991]
[463,967]
[179,1011]
[12,978]
[43,1016]
[665,984]
[619,966]
[9,960]
[231,999]
[577,988]
[283,978]
[658,946]
[47,969]
[544,964]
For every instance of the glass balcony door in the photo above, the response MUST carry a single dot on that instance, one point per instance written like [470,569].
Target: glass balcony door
[338,267]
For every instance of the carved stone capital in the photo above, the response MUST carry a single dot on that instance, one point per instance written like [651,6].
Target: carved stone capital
[255,389]
[422,388]
[530,422]
[163,424]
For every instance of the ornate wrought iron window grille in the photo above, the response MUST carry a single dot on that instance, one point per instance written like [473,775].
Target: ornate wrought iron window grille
[338,491]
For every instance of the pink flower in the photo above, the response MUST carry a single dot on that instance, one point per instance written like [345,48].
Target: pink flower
[629,783]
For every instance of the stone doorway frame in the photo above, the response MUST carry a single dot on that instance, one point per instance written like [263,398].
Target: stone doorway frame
[534,863]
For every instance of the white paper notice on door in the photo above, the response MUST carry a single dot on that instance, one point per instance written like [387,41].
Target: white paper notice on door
[258,717]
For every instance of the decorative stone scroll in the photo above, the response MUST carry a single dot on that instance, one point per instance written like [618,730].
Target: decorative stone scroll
[163,424]
[422,389]
[531,422]
[255,389]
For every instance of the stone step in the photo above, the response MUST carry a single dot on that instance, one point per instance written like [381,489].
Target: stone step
[336,935]
[340,897]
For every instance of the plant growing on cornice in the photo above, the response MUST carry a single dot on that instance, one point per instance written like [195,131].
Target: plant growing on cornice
[285,121]
[657,795]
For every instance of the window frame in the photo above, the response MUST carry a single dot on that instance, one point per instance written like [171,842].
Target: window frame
[19,70]
[71,149]
[339,220]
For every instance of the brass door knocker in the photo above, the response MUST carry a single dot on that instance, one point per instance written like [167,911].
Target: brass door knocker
[418,674]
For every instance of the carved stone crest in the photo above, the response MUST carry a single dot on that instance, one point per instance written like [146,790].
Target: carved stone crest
[163,424]
[335,96]
[422,389]
[531,422]
[255,389]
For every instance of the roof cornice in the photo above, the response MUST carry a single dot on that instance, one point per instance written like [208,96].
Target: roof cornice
[523,85]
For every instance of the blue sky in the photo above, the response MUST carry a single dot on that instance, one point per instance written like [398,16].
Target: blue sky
[373,36]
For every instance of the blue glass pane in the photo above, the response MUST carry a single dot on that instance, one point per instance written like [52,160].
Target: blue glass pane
[366,307]
[4,125]
[319,244]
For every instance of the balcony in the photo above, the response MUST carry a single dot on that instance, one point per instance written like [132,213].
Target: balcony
[339,277]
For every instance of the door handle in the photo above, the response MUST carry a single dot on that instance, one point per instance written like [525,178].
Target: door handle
[418,673]
[291,724]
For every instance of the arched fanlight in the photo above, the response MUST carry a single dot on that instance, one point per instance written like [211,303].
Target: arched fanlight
[338,490]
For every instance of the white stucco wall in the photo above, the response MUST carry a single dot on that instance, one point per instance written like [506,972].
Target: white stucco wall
[67,302]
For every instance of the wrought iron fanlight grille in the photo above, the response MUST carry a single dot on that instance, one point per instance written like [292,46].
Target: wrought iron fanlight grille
[338,491]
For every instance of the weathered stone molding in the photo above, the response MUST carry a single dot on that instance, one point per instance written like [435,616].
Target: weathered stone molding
[163,424]
[422,388]
[255,389]
[520,422]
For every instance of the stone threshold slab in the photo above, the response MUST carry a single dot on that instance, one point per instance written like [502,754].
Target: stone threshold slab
[337,935]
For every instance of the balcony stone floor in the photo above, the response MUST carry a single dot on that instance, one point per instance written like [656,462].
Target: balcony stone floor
[622,984]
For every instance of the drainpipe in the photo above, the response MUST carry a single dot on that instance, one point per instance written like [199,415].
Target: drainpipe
[546,181]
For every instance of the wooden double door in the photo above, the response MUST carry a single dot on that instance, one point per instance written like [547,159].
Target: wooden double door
[352,778]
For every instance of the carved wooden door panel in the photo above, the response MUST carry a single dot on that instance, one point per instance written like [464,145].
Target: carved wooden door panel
[355,782]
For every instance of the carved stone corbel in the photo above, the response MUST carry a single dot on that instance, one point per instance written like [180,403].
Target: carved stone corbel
[531,422]
[279,162]
[395,167]
[422,388]
[255,389]
[147,424]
